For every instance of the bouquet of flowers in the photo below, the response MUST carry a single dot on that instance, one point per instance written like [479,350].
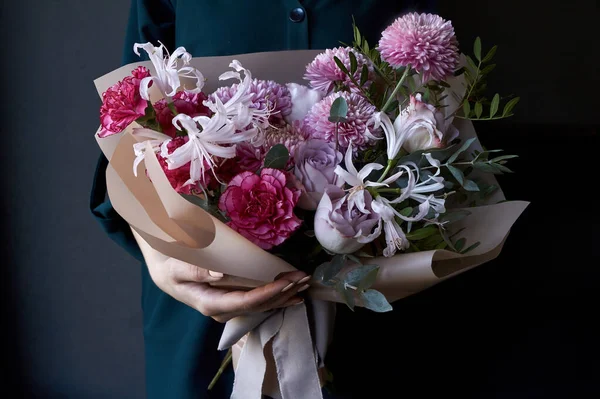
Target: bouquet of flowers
[357,164]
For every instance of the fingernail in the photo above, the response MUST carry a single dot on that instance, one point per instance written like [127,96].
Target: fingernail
[304,287]
[215,274]
[299,302]
[304,280]
[288,287]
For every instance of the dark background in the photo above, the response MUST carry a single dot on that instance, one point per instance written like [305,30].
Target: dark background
[522,326]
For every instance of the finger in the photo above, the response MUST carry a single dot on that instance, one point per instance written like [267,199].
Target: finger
[282,298]
[181,271]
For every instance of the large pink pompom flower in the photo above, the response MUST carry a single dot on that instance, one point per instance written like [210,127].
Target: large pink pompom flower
[122,103]
[261,208]
[323,73]
[266,95]
[358,129]
[425,41]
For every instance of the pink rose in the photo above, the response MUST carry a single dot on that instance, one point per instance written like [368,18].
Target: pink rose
[180,177]
[122,103]
[261,208]
[185,103]
[423,126]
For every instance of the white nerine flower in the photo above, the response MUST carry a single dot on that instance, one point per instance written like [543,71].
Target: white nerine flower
[168,74]
[237,108]
[394,138]
[356,179]
[139,149]
[394,235]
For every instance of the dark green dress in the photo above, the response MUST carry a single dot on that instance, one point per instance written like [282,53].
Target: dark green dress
[180,343]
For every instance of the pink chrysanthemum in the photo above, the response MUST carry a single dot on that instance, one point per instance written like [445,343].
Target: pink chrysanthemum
[267,95]
[324,74]
[425,41]
[357,130]
[251,157]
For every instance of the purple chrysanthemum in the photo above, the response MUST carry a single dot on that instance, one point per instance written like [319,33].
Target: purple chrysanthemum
[357,130]
[267,95]
[425,41]
[323,73]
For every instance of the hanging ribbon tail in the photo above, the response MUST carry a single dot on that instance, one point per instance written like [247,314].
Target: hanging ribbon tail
[287,333]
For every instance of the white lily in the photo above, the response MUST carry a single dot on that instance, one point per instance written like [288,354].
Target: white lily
[394,235]
[237,108]
[156,140]
[214,138]
[168,74]
[356,179]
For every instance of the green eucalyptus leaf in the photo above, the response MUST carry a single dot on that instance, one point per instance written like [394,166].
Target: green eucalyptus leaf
[466,109]
[340,65]
[347,294]
[353,259]
[339,110]
[509,106]
[478,109]
[477,48]
[422,233]
[375,301]
[503,168]
[462,149]
[470,185]
[319,273]
[459,244]
[494,105]
[353,63]
[336,265]
[486,167]
[503,157]
[355,276]
[490,54]
[277,157]
[364,75]
[457,173]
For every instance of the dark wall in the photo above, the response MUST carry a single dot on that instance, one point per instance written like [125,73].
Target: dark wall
[71,297]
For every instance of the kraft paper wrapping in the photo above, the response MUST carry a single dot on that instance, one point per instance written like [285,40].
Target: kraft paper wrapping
[177,228]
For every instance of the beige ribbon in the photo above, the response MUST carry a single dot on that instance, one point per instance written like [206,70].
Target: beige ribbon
[286,335]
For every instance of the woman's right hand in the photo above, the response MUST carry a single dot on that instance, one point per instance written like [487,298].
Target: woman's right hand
[190,284]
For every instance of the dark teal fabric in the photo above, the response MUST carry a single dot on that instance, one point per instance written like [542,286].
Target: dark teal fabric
[180,343]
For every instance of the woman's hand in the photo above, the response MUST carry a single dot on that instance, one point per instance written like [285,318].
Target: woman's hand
[190,284]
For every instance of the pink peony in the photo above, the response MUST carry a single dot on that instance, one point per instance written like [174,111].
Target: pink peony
[122,103]
[425,41]
[266,95]
[179,178]
[357,130]
[185,103]
[261,208]
[323,73]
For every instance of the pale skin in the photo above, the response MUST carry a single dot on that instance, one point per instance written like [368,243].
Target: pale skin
[191,285]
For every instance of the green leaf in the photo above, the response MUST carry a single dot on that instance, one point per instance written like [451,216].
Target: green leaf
[458,245]
[442,245]
[510,105]
[277,157]
[454,216]
[462,149]
[444,84]
[353,63]
[478,109]
[406,211]
[486,167]
[422,233]
[339,110]
[503,157]
[470,185]
[364,75]
[472,64]
[477,48]
[457,173]
[337,263]
[356,276]
[353,259]
[488,69]
[375,301]
[346,293]
[341,65]
[494,105]
[472,247]
[490,54]
[466,109]
[503,168]
[319,273]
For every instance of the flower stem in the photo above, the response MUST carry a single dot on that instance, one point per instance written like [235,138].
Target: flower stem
[390,165]
[390,100]
[390,190]
[337,142]
[225,363]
